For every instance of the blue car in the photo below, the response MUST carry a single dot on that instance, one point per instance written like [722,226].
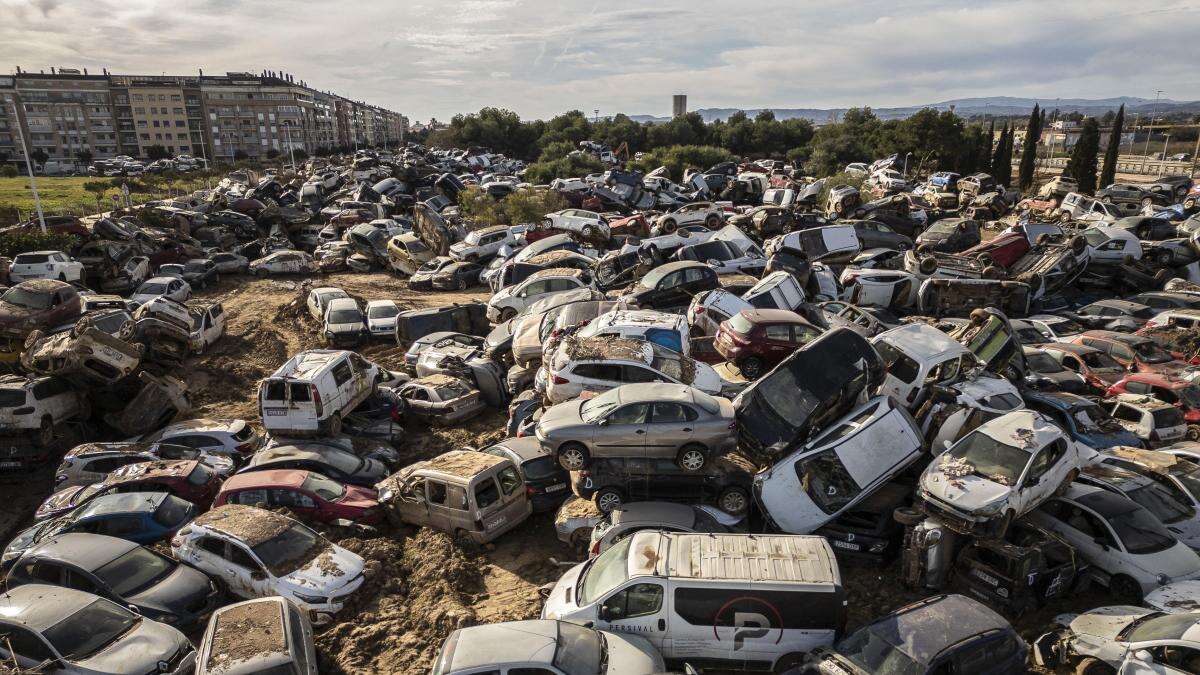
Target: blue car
[141,517]
[1082,419]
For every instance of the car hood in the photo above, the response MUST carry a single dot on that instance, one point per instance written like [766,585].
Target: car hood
[328,573]
[184,587]
[561,415]
[1175,598]
[1106,622]
[139,650]
[344,327]
[11,315]
[970,494]
[632,655]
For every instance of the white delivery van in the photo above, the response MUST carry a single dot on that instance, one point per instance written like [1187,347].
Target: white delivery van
[314,390]
[729,601]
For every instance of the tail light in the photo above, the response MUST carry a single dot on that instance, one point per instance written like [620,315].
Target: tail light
[559,380]
[595,550]
[316,397]
[700,309]
[529,491]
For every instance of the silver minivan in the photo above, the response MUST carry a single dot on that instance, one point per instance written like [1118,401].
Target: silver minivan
[469,494]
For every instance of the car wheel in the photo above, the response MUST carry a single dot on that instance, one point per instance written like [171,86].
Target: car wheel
[907,515]
[1093,666]
[608,499]
[335,425]
[734,500]
[1125,590]
[1193,432]
[46,432]
[993,272]
[462,284]
[1078,243]
[1147,202]
[691,458]
[750,367]
[507,314]
[588,231]
[1189,204]
[928,265]
[668,226]
[787,663]
[1106,199]
[712,222]
[573,456]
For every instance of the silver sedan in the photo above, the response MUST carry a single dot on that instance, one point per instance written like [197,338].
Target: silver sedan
[651,420]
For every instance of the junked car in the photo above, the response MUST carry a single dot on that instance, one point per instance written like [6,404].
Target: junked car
[1123,639]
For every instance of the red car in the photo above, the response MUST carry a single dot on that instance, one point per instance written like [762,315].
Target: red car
[1182,394]
[1098,369]
[311,495]
[1004,250]
[756,340]
[188,479]
[1137,353]
[633,226]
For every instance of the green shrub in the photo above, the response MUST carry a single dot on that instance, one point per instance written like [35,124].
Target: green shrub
[23,242]
[9,171]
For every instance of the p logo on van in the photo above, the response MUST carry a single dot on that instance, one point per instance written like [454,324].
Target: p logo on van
[738,614]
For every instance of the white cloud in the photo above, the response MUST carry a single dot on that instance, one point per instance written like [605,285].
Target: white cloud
[540,57]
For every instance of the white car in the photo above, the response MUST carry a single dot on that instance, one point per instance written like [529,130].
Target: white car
[482,244]
[999,472]
[841,467]
[889,179]
[255,553]
[727,251]
[318,300]
[169,287]
[1111,245]
[664,328]
[283,262]
[208,325]
[1125,639]
[710,308]
[1129,550]
[510,300]
[819,243]
[893,289]
[1054,328]
[224,437]
[587,224]
[856,169]
[45,265]
[697,213]
[37,405]
[381,317]
[543,647]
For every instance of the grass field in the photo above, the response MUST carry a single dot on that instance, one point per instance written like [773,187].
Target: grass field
[67,195]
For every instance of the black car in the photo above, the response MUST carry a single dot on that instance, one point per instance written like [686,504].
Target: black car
[1177,186]
[1126,193]
[949,235]
[1030,567]
[199,273]
[874,234]
[670,287]
[940,634]
[545,481]
[468,318]
[610,482]
[869,531]
[1147,227]
[457,276]
[242,225]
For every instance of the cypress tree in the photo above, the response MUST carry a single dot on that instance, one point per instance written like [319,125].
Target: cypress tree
[1082,164]
[1033,134]
[1108,174]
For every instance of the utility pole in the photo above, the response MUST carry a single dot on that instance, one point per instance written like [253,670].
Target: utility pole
[1151,131]
[37,201]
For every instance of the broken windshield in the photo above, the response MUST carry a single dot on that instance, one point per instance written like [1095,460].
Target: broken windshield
[981,455]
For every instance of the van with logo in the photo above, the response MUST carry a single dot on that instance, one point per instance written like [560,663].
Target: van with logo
[314,391]
[728,601]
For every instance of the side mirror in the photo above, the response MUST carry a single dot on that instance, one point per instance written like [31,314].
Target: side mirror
[603,421]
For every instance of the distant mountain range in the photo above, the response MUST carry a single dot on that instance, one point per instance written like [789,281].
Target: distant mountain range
[966,107]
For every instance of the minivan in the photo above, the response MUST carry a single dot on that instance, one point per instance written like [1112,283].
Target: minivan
[712,599]
[473,495]
[314,390]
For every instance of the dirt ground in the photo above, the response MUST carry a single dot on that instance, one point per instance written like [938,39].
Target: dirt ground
[420,584]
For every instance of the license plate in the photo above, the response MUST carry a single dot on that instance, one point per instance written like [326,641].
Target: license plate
[276,412]
[9,465]
[497,522]
[986,578]
[555,488]
[846,545]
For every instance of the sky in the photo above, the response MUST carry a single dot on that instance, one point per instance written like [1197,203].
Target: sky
[429,58]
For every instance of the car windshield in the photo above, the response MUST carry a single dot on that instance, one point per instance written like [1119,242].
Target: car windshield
[134,572]
[1140,532]
[1162,502]
[1100,361]
[1088,417]
[1095,238]
[1065,328]
[195,267]
[152,289]
[90,629]
[875,654]
[383,311]
[609,570]
[1169,416]
[595,408]
[580,651]
[172,511]
[200,475]
[344,316]
[1161,627]
[23,297]
[1150,352]
[984,456]
[943,227]
[287,551]
[326,489]
[1043,363]
[1190,395]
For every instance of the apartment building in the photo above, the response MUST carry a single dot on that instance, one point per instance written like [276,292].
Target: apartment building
[216,117]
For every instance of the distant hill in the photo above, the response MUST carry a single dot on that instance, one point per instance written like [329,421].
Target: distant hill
[993,105]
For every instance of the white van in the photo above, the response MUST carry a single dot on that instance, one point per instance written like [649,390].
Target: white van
[731,601]
[314,390]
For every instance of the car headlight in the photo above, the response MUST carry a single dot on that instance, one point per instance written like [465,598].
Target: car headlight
[311,599]
[1162,579]
[9,555]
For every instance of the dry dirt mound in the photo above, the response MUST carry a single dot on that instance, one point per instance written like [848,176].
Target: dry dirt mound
[1182,340]
[417,591]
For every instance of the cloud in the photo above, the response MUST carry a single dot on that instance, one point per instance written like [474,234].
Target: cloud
[541,57]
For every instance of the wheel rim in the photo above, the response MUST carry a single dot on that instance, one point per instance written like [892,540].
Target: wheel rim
[750,369]
[608,501]
[733,502]
[572,459]
[692,460]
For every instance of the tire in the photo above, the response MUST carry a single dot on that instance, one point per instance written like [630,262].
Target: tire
[588,231]
[925,248]
[1125,590]
[928,265]
[734,500]
[335,425]
[1078,243]
[978,316]
[788,662]
[668,226]
[1193,432]
[985,259]
[1147,202]
[45,436]
[907,515]
[993,272]
[692,458]
[1091,665]
[462,284]
[750,367]
[712,222]
[573,456]
[608,499]
[507,314]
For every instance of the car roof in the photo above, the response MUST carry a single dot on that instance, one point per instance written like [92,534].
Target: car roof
[758,316]
[1143,401]
[1024,429]
[248,524]
[260,623]
[268,478]
[343,303]
[525,447]
[461,463]
[40,606]
[655,392]
[204,424]
[533,641]
[764,558]
[122,502]
[82,549]
[666,513]
[924,629]
[921,338]
[159,468]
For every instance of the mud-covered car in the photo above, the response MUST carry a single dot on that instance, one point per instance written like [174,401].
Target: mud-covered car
[457,276]
[949,235]
[1132,639]
[161,400]
[38,304]
[959,297]
[441,398]
[610,482]
[35,406]
[469,318]
[1023,571]
[91,355]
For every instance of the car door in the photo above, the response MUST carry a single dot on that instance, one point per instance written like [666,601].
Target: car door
[623,432]
[777,341]
[639,608]
[672,426]
[1161,657]
[241,565]
[1044,474]
[1093,538]
[447,504]
[303,504]
[1128,417]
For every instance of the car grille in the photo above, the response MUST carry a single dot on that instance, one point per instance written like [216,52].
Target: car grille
[948,515]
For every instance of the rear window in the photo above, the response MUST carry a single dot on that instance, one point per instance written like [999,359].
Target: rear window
[199,475]
[276,390]
[31,258]
[244,434]
[539,468]
[1168,417]
[11,398]
[486,493]
[172,512]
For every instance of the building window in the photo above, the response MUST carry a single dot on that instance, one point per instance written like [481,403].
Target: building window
[138,97]
[145,137]
[139,111]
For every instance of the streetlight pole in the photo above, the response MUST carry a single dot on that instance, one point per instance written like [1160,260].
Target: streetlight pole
[1152,115]
[1165,140]
[37,201]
